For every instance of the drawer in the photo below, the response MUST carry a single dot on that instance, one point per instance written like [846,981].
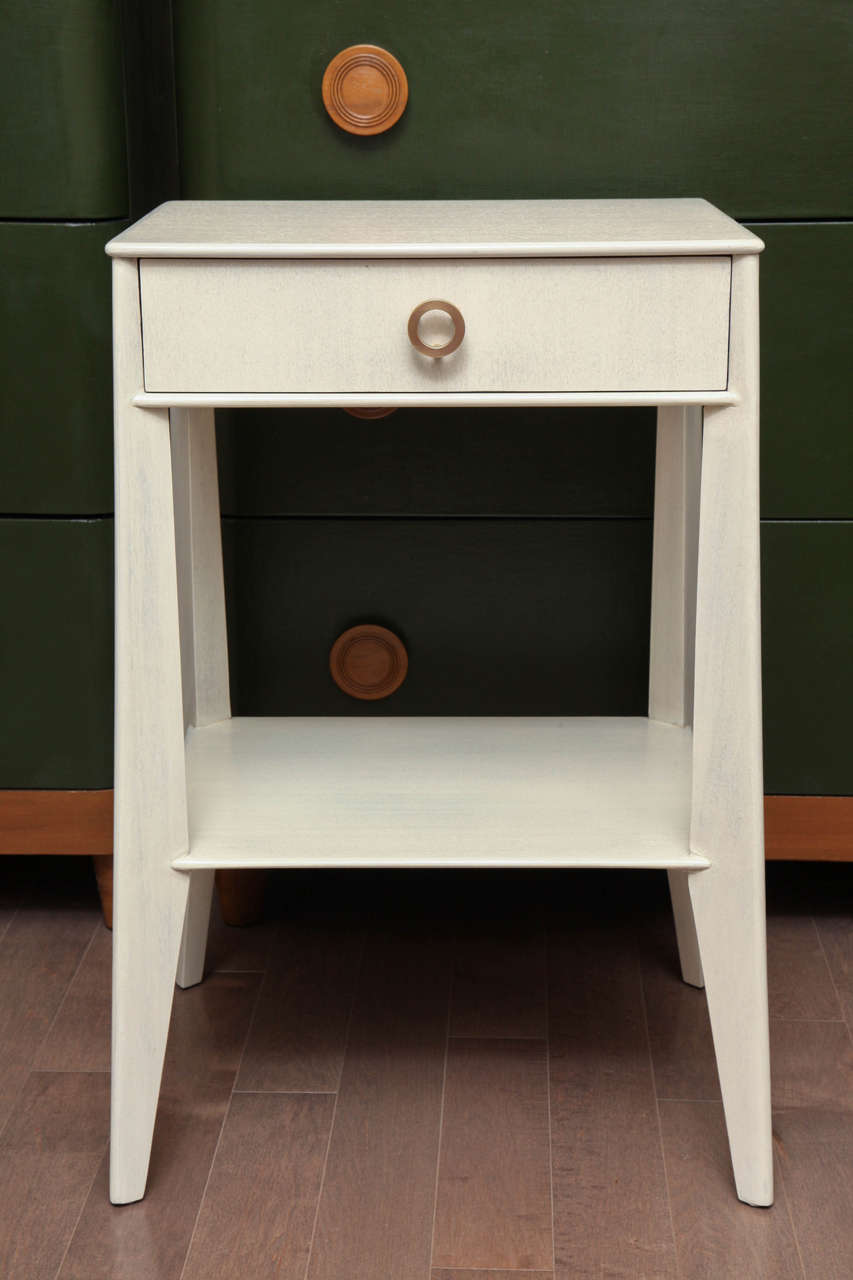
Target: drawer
[56,448]
[62,139]
[498,617]
[56,653]
[531,325]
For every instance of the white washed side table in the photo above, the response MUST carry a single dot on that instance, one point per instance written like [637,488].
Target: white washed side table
[631,302]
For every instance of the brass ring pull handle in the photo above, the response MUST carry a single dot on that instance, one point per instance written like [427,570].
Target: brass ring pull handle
[458,329]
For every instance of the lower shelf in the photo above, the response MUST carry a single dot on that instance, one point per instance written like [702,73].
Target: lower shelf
[439,791]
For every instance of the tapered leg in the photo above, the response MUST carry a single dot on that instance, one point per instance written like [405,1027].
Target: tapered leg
[727,812]
[201,608]
[150,784]
[673,628]
[196,925]
[685,928]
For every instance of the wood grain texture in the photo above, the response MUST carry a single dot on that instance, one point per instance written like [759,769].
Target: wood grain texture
[715,1235]
[499,980]
[431,228]
[368,662]
[611,1213]
[257,1218]
[819,1191]
[493,1200]
[39,822]
[149,1240]
[79,1036]
[299,1030]
[49,1153]
[812,1082]
[649,324]
[201,616]
[39,954]
[365,89]
[836,937]
[678,461]
[799,981]
[816,828]
[424,399]
[612,1200]
[312,791]
[150,772]
[678,466]
[376,1208]
[727,816]
[456,1274]
[198,551]
[81,822]
[679,1029]
[801,987]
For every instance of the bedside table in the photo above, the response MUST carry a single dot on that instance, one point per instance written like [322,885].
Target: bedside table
[475,303]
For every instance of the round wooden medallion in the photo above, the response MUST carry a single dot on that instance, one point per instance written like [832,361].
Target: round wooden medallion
[368,662]
[365,89]
[369,413]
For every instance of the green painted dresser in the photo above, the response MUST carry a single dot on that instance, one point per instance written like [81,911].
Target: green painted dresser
[447,527]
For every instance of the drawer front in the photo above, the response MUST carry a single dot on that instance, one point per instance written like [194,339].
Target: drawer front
[56,653]
[498,617]
[531,325]
[56,448]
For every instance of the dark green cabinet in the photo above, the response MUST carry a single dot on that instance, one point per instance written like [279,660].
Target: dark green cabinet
[510,548]
[506,617]
[56,653]
[55,368]
[420,462]
[806,344]
[746,104]
[807,603]
[62,134]
[63,195]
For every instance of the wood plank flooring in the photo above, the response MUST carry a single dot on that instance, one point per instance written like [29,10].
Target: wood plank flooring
[426,1076]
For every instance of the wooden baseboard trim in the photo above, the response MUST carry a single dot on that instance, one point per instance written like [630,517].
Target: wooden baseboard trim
[808,828]
[73,822]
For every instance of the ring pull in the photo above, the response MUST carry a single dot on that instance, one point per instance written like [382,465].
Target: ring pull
[444,349]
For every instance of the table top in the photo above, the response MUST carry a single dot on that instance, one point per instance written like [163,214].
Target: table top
[432,229]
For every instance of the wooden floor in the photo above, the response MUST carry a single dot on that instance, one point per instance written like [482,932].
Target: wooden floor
[425,1076]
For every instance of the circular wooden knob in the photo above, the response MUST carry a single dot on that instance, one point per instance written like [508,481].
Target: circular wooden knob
[443,348]
[365,89]
[370,413]
[368,662]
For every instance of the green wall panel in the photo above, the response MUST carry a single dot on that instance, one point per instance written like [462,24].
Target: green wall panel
[582,462]
[806,341]
[62,137]
[746,104]
[55,368]
[500,617]
[808,641]
[56,653]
